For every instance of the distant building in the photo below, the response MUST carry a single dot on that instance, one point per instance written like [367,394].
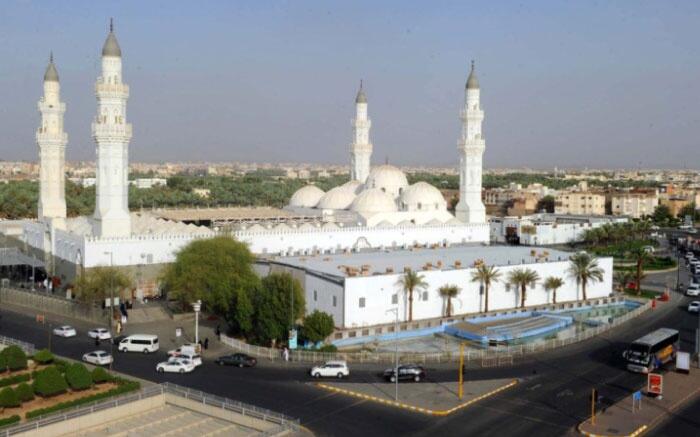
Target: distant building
[634,204]
[675,204]
[579,203]
[142,183]
[202,192]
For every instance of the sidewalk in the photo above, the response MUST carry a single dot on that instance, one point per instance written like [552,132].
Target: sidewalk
[619,420]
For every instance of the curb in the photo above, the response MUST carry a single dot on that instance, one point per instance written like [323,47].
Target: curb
[413,407]
[636,432]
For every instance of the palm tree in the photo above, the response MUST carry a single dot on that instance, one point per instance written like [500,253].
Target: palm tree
[449,291]
[622,278]
[640,257]
[523,278]
[584,268]
[410,282]
[486,275]
[553,283]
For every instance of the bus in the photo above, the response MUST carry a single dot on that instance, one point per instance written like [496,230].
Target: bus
[652,351]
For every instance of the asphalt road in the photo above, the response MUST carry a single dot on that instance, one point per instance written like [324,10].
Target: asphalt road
[552,398]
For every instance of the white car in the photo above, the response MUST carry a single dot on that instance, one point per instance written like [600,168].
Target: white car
[693,290]
[101,333]
[176,365]
[333,369]
[185,348]
[694,306]
[98,358]
[65,331]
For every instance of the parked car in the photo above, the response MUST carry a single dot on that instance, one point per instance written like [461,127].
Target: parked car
[694,306]
[175,365]
[195,358]
[144,343]
[100,333]
[98,358]
[240,360]
[65,331]
[693,290]
[188,348]
[333,369]
[407,372]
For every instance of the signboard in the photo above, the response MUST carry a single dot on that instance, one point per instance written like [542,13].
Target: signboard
[178,332]
[116,302]
[683,361]
[655,384]
[292,339]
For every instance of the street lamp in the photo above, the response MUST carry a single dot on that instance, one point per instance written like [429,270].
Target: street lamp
[396,351]
[111,293]
[197,306]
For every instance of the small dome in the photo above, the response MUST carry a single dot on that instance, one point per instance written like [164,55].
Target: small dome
[306,197]
[422,196]
[387,178]
[51,75]
[361,97]
[111,47]
[337,198]
[354,186]
[472,81]
[373,201]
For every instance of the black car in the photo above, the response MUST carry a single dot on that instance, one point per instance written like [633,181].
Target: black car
[407,372]
[240,360]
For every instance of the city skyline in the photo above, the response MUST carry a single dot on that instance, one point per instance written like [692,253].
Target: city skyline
[238,92]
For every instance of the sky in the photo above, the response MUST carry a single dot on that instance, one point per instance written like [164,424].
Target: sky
[598,84]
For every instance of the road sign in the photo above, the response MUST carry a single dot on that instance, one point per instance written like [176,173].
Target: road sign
[178,332]
[655,384]
[683,361]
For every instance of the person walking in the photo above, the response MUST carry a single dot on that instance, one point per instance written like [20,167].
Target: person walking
[218,332]
[206,343]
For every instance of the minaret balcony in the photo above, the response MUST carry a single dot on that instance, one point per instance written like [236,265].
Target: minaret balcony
[121,131]
[112,89]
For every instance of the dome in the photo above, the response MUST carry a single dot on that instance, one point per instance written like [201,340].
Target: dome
[306,197]
[337,198]
[373,200]
[422,196]
[51,75]
[387,178]
[472,81]
[111,47]
[354,186]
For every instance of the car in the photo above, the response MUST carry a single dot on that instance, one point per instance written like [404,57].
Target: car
[407,372]
[98,358]
[333,369]
[144,343]
[694,306]
[99,333]
[238,359]
[190,348]
[65,331]
[175,365]
[693,290]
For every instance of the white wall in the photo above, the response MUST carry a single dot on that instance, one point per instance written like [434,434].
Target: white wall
[325,292]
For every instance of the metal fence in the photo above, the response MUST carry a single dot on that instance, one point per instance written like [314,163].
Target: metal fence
[496,356]
[282,423]
[41,301]
[28,348]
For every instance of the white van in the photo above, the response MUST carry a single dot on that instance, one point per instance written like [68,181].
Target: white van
[145,343]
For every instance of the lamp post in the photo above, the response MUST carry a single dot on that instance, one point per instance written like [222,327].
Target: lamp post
[396,351]
[111,292]
[197,306]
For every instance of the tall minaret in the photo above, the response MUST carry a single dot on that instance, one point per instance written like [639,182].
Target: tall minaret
[361,148]
[52,151]
[112,134]
[471,145]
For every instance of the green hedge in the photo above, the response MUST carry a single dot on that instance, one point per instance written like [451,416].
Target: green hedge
[3,363]
[78,377]
[15,357]
[8,398]
[49,382]
[12,380]
[24,392]
[125,386]
[43,357]
[100,375]
[9,420]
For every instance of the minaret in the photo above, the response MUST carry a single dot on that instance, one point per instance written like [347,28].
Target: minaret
[471,145]
[112,134]
[361,148]
[52,152]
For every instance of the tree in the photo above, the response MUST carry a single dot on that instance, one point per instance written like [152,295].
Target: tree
[486,275]
[689,210]
[24,392]
[218,271]
[523,278]
[410,282]
[98,283]
[584,268]
[49,382]
[622,278]
[15,358]
[318,326]
[553,283]
[662,214]
[9,398]
[546,204]
[100,375]
[78,377]
[448,292]
[43,356]
[640,257]
[278,304]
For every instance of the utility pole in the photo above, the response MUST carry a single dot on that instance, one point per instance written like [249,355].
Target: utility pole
[461,370]
[396,352]
[593,407]
[111,293]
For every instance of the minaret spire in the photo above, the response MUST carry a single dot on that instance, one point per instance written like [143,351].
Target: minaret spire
[360,148]
[111,27]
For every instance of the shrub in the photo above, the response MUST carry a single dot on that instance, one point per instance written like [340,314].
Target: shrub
[9,420]
[317,326]
[100,375]
[78,377]
[8,398]
[16,358]
[12,380]
[328,348]
[49,382]
[43,356]
[24,392]
[3,362]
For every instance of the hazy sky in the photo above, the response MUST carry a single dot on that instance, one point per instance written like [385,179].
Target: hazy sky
[588,83]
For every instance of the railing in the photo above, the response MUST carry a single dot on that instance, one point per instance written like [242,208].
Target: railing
[40,301]
[502,355]
[28,348]
[283,422]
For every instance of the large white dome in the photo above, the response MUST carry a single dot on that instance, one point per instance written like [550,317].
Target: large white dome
[337,198]
[306,197]
[422,196]
[354,186]
[387,178]
[372,201]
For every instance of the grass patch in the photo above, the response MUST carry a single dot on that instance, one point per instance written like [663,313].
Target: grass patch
[9,420]
[646,294]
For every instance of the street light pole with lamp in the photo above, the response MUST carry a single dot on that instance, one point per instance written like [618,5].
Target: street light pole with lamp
[197,306]
[396,351]
[111,293]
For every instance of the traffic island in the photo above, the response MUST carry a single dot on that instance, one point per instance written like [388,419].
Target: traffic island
[437,399]
[621,420]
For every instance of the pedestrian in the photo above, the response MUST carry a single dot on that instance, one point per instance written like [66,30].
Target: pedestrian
[286,354]
[206,343]
[218,332]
